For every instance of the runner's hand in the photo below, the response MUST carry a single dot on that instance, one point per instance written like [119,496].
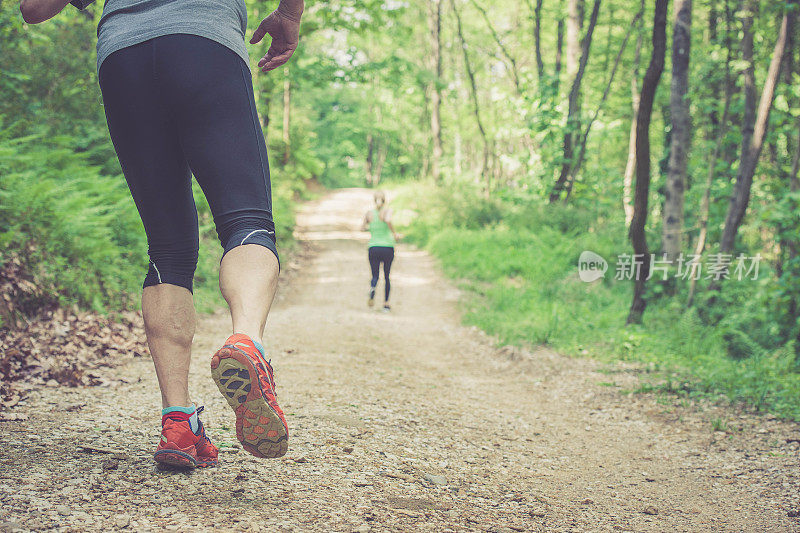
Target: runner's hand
[285,33]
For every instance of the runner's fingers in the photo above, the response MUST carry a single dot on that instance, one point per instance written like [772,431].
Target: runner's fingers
[268,56]
[275,62]
[273,59]
[268,25]
[260,32]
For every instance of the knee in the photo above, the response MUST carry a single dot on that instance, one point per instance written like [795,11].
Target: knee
[172,264]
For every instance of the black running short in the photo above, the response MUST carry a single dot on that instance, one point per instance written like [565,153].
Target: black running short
[182,105]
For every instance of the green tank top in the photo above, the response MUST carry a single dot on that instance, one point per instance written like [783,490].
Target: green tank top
[380,234]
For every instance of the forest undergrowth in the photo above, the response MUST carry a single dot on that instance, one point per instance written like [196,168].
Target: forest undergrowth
[518,264]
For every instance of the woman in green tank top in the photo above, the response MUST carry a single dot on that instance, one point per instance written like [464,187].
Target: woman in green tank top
[381,246]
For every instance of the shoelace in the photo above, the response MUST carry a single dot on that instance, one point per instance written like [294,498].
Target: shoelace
[270,377]
[200,423]
[266,368]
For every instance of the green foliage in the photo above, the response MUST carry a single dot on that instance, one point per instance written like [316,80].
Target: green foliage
[785,303]
[520,273]
[718,424]
[42,87]
[65,209]
[77,228]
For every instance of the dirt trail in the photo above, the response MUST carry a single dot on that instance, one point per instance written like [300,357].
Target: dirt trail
[405,422]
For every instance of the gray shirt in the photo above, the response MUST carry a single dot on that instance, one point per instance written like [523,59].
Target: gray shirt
[128,22]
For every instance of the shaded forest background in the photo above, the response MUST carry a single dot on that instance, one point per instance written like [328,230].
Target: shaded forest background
[515,135]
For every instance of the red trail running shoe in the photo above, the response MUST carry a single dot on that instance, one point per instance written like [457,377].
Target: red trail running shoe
[180,446]
[245,379]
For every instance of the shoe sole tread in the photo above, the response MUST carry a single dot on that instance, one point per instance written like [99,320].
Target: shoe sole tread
[259,428]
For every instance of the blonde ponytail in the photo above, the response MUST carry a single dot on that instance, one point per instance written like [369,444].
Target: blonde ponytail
[379,197]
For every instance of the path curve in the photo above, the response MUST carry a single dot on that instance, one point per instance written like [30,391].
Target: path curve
[406,421]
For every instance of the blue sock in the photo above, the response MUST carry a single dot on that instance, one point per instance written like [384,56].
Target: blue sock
[194,423]
[260,349]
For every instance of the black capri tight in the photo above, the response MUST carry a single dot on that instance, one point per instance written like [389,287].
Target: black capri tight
[179,105]
[378,255]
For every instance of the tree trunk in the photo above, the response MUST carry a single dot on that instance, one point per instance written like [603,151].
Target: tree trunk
[672,226]
[458,154]
[378,165]
[712,22]
[748,74]
[537,40]
[750,156]
[573,127]
[630,165]
[425,165]
[559,54]
[262,93]
[475,106]
[584,137]
[574,24]
[264,117]
[711,40]
[287,109]
[435,23]
[705,204]
[370,161]
[637,230]
[790,245]
[609,39]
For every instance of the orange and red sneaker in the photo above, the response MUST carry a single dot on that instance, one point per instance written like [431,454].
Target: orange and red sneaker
[180,446]
[245,378]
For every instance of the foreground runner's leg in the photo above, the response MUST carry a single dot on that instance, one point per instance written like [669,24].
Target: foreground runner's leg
[178,102]
[148,145]
[169,319]
[248,279]
[210,93]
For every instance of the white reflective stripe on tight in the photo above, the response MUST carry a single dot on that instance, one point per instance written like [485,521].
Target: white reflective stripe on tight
[157,272]
[254,231]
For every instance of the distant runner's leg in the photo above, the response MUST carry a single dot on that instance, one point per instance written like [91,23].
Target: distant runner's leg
[387,267]
[375,267]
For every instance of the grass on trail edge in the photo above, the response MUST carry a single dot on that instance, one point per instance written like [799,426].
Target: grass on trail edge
[70,232]
[520,281]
